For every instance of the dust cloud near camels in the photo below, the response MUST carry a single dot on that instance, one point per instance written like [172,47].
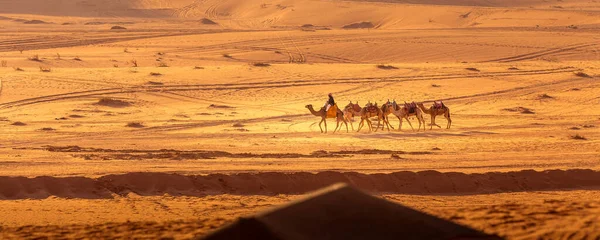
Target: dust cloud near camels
[156,118]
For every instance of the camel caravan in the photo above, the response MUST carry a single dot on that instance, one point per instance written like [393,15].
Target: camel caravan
[372,111]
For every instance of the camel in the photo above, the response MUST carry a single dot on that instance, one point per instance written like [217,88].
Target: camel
[339,116]
[370,111]
[386,109]
[405,112]
[350,111]
[436,110]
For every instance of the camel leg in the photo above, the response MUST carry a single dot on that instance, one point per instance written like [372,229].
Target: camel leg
[321,122]
[447,115]
[387,123]
[386,119]
[325,121]
[346,123]
[432,122]
[360,125]
[348,119]
[378,123]
[337,125]
[410,124]
[434,116]
[420,118]
[370,125]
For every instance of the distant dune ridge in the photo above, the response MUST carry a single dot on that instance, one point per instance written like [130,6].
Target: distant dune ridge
[380,13]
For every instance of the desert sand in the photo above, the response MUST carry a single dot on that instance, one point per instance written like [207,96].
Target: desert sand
[156,118]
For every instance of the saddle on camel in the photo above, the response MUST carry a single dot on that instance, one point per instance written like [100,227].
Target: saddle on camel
[439,105]
[332,112]
[356,107]
[410,108]
[372,108]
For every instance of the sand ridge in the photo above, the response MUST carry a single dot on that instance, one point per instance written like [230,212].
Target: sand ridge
[271,183]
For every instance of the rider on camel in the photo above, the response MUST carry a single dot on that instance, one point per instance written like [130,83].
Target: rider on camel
[329,102]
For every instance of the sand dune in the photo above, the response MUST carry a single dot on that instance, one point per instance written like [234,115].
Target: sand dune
[426,182]
[382,14]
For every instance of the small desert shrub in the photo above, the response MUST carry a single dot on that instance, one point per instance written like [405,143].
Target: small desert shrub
[219,106]
[48,129]
[582,74]
[527,111]
[386,67]
[77,59]
[545,96]
[197,67]
[207,21]
[261,64]
[239,125]
[117,28]
[522,110]
[225,55]
[160,53]
[513,68]
[126,50]
[116,65]
[76,116]
[135,125]
[35,58]
[473,69]
[18,69]
[155,74]
[18,124]
[155,83]
[109,102]
[578,137]
[134,62]
[58,56]
[162,64]
[45,69]
[435,85]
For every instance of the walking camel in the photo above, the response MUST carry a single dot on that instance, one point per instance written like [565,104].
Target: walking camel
[386,109]
[435,110]
[406,111]
[368,112]
[339,116]
[350,111]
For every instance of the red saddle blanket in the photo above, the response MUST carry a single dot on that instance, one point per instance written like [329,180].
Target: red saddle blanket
[372,109]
